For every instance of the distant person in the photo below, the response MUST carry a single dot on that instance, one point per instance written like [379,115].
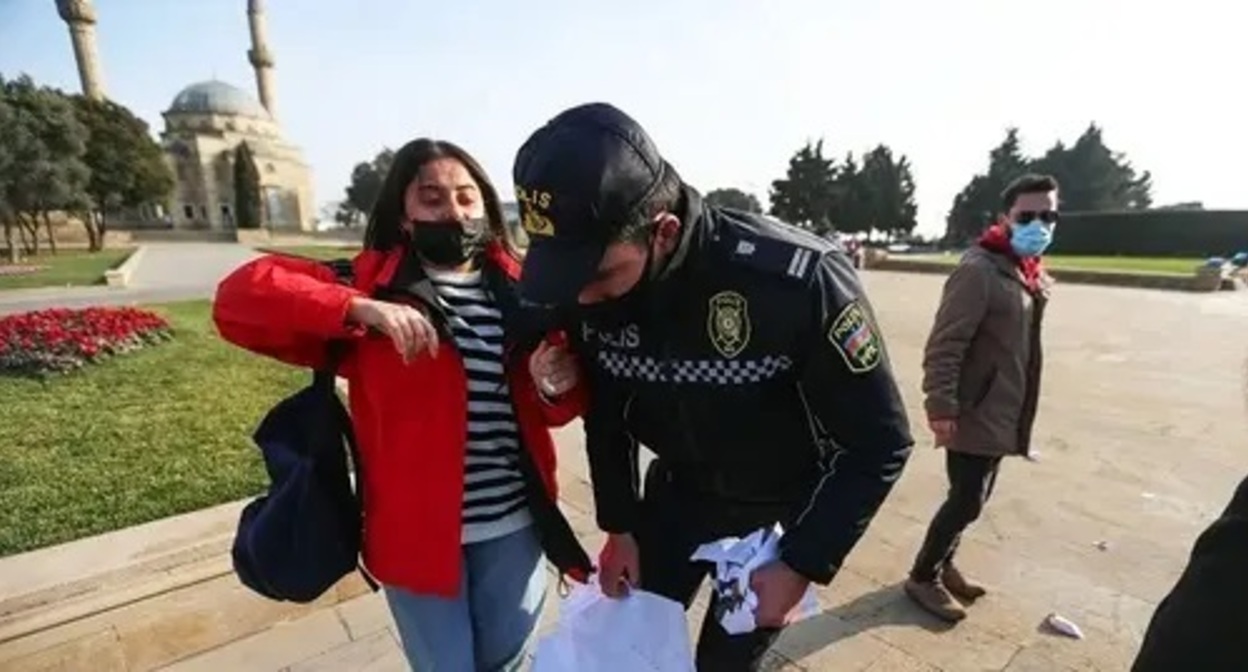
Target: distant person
[857,252]
[981,378]
[1202,625]
[451,401]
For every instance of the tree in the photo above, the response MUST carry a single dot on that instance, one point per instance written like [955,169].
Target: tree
[247,204]
[1006,161]
[885,188]
[13,139]
[47,171]
[851,211]
[806,196]
[346,216]
[1092,177]
[980,200]
[366,180]
[128,168]
[735,199]
[972,209]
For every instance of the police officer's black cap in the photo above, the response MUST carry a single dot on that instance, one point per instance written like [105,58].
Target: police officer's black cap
[579,180]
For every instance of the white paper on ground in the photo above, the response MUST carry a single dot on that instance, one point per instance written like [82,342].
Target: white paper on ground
[1063,626]
[735,559]
[642,632]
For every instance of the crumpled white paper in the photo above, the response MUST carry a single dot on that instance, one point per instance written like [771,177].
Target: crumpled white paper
[1063,626]
[641,632]
[735,560]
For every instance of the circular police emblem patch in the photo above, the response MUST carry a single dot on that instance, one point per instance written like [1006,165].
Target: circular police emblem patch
[728,323]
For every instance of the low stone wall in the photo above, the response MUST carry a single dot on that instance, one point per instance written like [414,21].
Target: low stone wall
[120,276]
[261,237]
[181,236]
[137,599]
[1186,283]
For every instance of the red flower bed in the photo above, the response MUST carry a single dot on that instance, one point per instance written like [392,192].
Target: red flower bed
[60,339]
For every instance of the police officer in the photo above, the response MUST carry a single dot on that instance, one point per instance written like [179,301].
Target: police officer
[741,351]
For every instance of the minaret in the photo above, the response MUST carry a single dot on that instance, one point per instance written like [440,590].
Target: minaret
[260,57]
[80,16]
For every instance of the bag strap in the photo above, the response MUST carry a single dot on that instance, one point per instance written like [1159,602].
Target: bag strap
[324,379]
[325,376]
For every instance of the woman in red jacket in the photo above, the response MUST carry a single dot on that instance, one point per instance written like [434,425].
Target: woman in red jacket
[451,397]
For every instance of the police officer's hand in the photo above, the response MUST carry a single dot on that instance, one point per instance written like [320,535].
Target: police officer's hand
[407,327]
[553,369]
[944,429]
[779,590]
[619,565]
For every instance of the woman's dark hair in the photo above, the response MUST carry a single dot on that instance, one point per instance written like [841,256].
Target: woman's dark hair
[385,221]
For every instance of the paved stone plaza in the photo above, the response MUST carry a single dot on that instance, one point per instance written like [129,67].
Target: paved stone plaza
[1140,439]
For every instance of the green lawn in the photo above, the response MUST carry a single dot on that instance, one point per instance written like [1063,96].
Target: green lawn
[67,268]
[326,252]
[1178,265]
[1155,265]
[137,438]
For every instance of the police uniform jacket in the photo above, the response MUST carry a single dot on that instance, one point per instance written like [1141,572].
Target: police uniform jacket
[754,368]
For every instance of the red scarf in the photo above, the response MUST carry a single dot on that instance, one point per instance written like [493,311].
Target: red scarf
[997,239]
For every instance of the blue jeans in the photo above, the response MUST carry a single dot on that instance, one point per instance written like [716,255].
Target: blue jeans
[485,628]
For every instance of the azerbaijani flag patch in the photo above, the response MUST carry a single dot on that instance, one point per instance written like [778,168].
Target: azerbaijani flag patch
[853,335]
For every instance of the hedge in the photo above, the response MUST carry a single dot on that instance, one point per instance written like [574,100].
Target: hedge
[1153,233]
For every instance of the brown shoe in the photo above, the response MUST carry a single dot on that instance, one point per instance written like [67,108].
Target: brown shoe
[935,600]
[958,585]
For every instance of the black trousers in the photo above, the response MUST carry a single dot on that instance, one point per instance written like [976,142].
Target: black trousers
[971,480]
[675,521]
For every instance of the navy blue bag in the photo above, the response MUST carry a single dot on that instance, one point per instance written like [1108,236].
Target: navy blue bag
[304,535]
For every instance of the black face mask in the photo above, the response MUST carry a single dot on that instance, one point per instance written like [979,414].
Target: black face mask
[449,242]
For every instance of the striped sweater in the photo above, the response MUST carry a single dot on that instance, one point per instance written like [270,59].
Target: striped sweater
[494,501]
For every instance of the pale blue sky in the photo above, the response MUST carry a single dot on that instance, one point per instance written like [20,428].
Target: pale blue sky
[728,88]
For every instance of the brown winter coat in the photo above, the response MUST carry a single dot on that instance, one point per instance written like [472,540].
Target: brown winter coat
[982,363]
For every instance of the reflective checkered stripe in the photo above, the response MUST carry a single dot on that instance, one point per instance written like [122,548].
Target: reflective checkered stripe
[694,371]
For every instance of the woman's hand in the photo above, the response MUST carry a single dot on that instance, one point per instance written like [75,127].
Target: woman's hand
[407,327]
[554,369]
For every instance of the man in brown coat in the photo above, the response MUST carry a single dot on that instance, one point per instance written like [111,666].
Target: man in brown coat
[981,379]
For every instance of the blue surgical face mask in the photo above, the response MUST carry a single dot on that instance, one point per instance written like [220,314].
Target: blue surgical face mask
[1031,239]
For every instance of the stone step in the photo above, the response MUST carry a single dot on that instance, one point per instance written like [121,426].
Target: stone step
[136,599]
[63,583]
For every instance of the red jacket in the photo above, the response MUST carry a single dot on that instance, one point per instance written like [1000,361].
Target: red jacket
[410,420]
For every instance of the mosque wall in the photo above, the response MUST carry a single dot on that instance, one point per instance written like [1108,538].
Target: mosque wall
[200,150]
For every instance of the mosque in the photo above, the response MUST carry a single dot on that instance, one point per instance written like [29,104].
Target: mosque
[204,125]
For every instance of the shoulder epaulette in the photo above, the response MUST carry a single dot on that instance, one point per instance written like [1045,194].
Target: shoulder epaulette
[771,246]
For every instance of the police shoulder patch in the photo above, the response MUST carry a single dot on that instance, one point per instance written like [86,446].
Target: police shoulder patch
[853,335]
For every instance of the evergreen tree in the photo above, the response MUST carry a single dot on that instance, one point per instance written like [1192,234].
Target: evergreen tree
[248,208]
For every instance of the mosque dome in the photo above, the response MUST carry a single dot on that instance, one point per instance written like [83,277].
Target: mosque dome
[216,97]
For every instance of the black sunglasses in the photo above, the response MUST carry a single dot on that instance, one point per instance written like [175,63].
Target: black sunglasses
[1046,216]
